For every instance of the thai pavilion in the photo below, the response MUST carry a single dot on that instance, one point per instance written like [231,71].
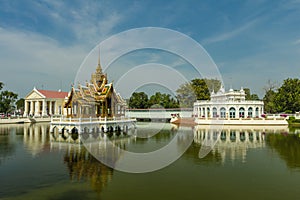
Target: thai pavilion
[228,105]
[95,99]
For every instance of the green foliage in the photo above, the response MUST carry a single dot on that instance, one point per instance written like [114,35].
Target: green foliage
[20,103]
[285,99]
[140,100]
[185,95]
[164,100]
[200,89]
[7,99]
[250,96]
[269,103]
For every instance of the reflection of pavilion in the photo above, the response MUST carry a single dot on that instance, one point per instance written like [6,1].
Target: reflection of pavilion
[36,137]
[102,146]
[232,142]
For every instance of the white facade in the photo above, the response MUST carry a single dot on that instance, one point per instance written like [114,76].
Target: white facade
[228,105]
[41,103]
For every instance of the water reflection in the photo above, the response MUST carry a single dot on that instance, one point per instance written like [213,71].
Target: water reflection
[82,166]
[288,148]
[36,139]
[231,142]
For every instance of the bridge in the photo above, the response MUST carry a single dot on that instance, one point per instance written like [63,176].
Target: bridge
[158,113]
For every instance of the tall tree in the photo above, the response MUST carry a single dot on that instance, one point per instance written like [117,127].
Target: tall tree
[162,100]
[200,88]
[287,98]
[138,100]
[186,95]
[7,99]
[20,104]
[213,84]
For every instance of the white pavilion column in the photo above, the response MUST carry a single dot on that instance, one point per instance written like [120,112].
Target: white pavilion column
[26,109]
[36,109]
[50,109]
[31,108]
[55,109]
[44,107]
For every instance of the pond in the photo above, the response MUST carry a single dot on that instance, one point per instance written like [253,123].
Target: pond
[217,163]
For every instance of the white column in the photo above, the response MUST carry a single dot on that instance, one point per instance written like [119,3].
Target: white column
[55,109]
[26,109]
[44,107]
[50,109]
[31,108]
[36,109]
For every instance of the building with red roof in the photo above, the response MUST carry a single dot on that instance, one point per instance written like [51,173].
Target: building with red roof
[44,103]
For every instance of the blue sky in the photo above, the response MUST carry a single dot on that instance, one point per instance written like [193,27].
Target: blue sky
[43,43]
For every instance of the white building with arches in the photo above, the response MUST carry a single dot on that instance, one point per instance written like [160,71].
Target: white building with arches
[232,108]
[231,104]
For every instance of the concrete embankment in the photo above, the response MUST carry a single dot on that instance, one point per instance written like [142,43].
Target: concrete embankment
[24,120]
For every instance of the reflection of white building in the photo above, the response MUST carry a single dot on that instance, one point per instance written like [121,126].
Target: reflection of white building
[232,108]
[232,104]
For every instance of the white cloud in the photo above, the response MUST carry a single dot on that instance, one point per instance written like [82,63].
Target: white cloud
[28,59]
[229,34]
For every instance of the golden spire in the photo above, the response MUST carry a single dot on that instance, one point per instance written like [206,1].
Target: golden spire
[99,68]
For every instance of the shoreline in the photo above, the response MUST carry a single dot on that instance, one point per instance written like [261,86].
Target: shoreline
[23,120]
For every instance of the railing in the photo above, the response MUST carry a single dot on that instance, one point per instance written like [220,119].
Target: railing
[90,119]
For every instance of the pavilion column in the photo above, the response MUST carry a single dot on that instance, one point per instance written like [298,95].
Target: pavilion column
[50,109]
[26,109]
[36,109]
[31,108]
[44,107]
[54,108]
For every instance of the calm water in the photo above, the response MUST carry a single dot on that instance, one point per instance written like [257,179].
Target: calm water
[235,163]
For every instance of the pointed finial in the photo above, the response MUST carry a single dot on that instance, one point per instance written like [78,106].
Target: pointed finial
[99,69]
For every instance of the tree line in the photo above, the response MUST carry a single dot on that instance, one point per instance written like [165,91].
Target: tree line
[283,99]
[186,95]
[8,103]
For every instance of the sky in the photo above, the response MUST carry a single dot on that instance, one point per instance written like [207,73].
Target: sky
[43,43]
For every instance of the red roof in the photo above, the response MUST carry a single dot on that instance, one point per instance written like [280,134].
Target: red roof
[53,94]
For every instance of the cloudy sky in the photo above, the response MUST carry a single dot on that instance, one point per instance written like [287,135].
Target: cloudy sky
[44,42]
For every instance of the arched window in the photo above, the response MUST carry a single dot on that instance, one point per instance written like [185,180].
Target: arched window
[208,111]
[232,112]
[223,112]
[242,112]
[250,112]
[256,112]
[214,110]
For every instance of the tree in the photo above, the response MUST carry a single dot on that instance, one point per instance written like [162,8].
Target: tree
[250,96]
[269,105]
[269,98]
[287,98]
[164,100]
[138,100]
[20,104]
[200,89]
[213,84]
[7,99]
[185,95]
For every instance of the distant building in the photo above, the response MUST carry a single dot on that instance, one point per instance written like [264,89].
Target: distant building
[44,103]
[231,104]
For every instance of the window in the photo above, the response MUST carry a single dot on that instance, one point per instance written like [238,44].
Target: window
[242,112]
[223,112]
[250,112]
[215,112]
[232,112]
